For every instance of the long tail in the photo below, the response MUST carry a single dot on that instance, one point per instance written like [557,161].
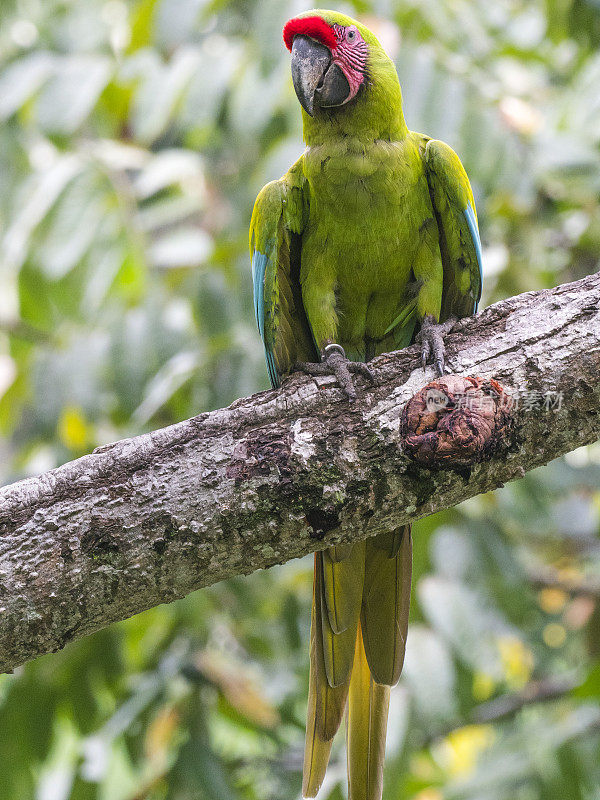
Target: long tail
[361,596]
[366,726]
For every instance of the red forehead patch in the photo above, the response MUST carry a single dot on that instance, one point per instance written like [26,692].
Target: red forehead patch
[315,27]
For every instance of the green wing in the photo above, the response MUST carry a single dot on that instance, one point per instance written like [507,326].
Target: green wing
[456,216]
[276,229]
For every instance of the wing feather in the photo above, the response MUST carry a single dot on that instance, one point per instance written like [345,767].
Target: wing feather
[275,245]
[460,244]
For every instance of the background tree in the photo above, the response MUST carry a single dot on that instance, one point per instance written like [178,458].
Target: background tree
[134,139]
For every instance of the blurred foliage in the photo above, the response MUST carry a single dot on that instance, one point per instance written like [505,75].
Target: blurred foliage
[133,140]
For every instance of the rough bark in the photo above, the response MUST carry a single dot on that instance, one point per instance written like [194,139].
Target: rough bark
[278,475]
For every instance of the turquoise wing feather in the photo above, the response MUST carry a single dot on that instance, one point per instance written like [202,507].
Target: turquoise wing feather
[275,245]
[454,209]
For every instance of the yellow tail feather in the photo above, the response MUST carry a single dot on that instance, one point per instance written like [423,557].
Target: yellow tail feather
[368,704]
[360,590]
[341,594]
[325,704]
[316,749]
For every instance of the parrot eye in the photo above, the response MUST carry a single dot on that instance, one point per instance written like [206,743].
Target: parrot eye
[351,35]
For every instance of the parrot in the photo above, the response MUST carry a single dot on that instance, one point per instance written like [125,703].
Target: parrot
[369,243]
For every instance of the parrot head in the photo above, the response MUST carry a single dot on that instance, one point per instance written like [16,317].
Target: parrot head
[334,59]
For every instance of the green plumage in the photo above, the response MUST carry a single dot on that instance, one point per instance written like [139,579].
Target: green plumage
[372,229]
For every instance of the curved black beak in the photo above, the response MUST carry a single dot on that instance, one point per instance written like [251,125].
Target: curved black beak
[317,80]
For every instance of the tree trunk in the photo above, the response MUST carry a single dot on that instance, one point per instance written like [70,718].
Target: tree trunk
[280,474]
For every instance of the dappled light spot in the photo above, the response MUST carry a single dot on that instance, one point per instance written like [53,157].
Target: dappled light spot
[554,635]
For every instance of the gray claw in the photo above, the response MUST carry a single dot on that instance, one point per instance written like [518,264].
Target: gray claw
[431,339]
[335,363]
[359,368]
[425,352]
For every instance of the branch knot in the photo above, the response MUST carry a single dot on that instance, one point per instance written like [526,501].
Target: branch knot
[456,421]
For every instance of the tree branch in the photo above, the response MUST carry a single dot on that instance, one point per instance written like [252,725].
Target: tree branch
[278,475]
[541,691]
[549,578]
[506,706]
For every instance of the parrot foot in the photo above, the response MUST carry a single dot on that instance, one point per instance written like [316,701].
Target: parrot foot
[431,339]
[334,362]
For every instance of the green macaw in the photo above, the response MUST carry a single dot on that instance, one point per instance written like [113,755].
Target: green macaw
[368,243]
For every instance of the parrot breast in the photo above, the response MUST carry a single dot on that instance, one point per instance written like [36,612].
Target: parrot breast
[367,208]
